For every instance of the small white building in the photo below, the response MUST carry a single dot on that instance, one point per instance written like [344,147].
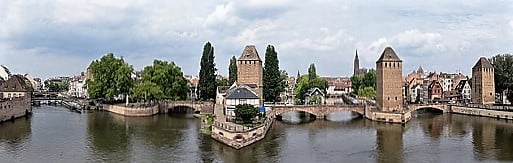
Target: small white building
[237,96]
[464,90]
[78,87]
[315,96]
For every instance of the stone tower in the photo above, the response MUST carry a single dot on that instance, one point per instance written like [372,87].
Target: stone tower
[389,72]
[483,84]
[356,65]
[249,70]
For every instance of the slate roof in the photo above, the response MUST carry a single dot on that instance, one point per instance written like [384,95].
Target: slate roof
[461,85]
[249,54]
[313,90]
[388,55]
[483,63]
[241,93]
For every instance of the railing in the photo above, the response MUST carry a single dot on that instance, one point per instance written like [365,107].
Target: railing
[239,128]
[488,107]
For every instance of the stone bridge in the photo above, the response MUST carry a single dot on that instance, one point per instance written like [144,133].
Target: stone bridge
[441,107]
[320,111]
[197,106]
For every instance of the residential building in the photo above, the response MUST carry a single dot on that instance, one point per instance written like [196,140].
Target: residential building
[483,85]
[464,90]
[78,87]
[15,99]
[238,95]
[315,96]
[435,91]
[5,73]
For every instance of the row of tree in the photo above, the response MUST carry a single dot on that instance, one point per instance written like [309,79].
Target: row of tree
[308,81]
[503,72]
[112,78]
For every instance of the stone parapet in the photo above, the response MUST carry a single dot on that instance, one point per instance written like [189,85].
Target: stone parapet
[136,111]
[482,112]
[238,136]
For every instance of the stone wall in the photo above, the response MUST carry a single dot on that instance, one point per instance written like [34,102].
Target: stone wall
[238,136]
[14,108]
[376,115]
[481,112]
[132,111]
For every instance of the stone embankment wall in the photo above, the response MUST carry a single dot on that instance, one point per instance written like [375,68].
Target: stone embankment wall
[14,108]
[238,136]
[390,117]
[137,111]
[482,112]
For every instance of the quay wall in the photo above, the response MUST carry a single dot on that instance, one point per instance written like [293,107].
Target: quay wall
[136,111]
[238,136]
[390,117]
[14,108]
[482,112]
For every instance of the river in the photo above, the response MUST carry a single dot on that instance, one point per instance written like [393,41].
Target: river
[55,134]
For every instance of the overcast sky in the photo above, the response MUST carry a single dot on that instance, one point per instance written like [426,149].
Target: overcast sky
[61,37]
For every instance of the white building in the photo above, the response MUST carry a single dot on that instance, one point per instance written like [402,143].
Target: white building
[239,95]
[4,73]
[78,87]
[464,90]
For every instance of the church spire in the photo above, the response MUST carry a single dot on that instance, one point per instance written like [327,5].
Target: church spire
[356,65]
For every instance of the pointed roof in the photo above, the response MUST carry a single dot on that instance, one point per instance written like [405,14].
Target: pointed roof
[241,93]
[420,70]
[249,53]
[388,55]
[483,63]
[356,56]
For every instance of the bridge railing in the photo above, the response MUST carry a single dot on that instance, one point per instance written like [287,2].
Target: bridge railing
[239,128]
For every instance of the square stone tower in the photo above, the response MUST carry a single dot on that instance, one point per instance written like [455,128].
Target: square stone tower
[249,70]
[483,83]
[389,71]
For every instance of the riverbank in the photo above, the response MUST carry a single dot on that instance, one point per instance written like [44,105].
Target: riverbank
[473,111]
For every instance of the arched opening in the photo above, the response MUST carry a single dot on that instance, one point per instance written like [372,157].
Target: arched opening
[296,117]
[427,112]
[12,118]
[182,111]
[344,116]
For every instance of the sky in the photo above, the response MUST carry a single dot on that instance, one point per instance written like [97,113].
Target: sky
[61,37]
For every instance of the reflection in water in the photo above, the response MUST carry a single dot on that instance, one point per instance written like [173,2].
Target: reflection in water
[55,134]
[297,117]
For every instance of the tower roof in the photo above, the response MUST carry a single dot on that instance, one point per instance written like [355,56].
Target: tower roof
[249,53]
[483,63]
[388,55]
[356,56]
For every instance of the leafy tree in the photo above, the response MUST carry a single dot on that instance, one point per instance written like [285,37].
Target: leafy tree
[232,70]
[272,80]
[312,74]
[360,82]
[245,112]
[367,92]
[207,77]
[56,85]
[503,73]
[147,91]
[222,82]
[168,77]
[111,77]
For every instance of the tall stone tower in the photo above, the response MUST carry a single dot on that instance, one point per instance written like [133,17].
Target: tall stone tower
[356,65]
[483,83]
[249,70]
[389,70]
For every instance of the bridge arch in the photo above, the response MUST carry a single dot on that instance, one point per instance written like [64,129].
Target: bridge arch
[440,108]
[320,111]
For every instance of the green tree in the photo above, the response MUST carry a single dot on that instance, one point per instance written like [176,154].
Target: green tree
[207,77]
[111,77]
[305,84]
[272,80]
[360,82]
[232,70]
[503,73]
[222,82]
[245,112]
[368,92]
[147,91]
[168,77]
[312,73]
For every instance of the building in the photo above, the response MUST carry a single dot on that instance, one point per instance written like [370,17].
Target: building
[77,87]
[389,94]
[338,85]
[315,96]
[435,91]
[483,86]
[463,88]
[288,95]
[15,99]
[356,66]
[238,95]
[5,73]
[249,70]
